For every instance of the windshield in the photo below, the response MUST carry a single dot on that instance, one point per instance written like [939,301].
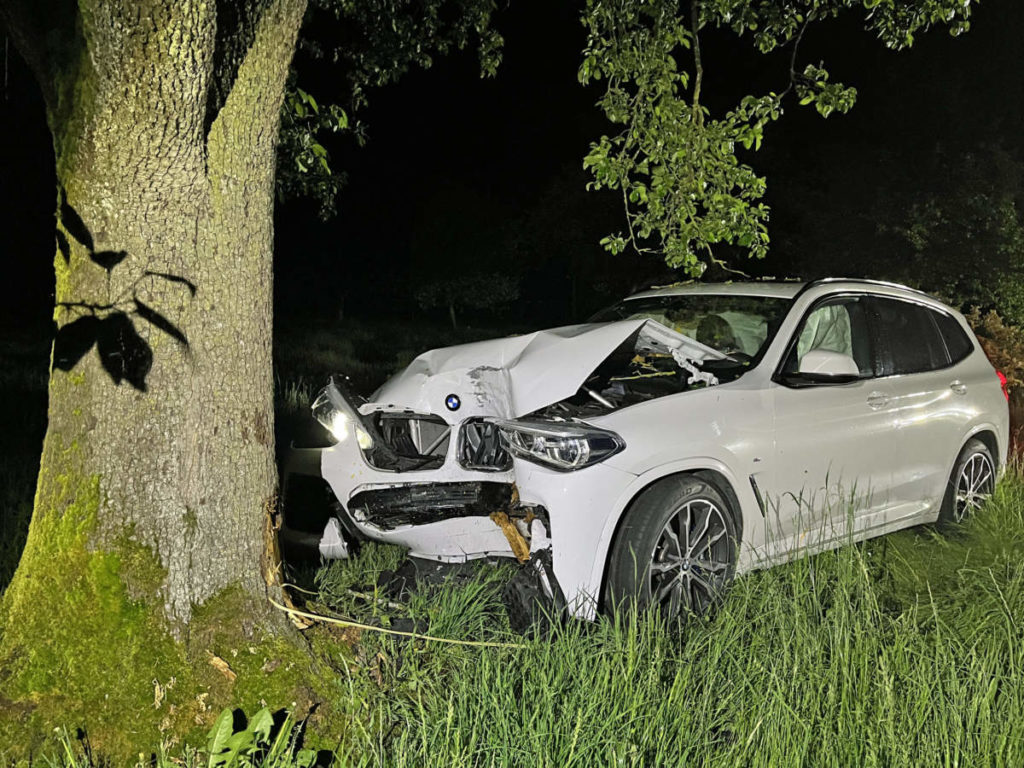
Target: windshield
[731,324]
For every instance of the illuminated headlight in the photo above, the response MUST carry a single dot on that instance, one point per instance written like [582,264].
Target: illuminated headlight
[562,446]
[339,423]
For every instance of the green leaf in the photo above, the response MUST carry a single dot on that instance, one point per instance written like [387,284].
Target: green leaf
[261,725]
[241,743]
[219,734]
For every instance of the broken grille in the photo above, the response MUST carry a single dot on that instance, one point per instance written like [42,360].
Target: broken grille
[480,447]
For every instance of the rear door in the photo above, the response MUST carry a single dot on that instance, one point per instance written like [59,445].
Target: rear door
[922,362]
[834,447]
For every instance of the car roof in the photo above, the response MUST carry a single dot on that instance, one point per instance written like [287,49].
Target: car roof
[785,289]
[773,289]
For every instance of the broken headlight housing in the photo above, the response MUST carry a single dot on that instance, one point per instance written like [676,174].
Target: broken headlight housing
[564,446]
[341,422]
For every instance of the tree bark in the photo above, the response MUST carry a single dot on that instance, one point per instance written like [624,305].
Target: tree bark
[158,463]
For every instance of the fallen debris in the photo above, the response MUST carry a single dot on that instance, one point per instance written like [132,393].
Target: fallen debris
[223,667]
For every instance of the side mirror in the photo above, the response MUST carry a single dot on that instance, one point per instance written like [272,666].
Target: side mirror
[822,367]
[828,364]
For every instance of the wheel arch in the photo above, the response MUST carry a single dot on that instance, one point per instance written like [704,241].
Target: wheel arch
[984,434]
[716,476]
[987,436]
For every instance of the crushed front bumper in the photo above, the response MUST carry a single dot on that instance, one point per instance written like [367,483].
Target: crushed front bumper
[450,513]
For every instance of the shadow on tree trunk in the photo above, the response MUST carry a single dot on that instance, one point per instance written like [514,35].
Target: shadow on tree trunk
[109,327]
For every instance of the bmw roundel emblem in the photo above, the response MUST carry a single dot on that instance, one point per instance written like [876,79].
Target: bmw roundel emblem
[452,402]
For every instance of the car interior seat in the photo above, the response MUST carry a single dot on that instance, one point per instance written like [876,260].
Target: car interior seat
[715,331]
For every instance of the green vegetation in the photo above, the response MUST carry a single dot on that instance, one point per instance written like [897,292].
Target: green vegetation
[678,166]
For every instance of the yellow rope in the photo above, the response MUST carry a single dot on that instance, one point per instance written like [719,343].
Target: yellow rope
[297,588]
[370,628]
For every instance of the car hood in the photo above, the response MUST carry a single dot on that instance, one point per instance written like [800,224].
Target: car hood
[514,376]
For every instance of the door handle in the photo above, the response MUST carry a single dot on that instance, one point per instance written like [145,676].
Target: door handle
[958,387]
[878,400]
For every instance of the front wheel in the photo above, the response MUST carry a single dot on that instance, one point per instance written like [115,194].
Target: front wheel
[971,483]
[676,550]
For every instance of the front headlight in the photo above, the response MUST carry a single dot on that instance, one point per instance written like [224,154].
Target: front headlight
[564,446]
[339,423]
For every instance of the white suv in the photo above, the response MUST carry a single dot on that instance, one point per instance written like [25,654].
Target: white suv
[685,435]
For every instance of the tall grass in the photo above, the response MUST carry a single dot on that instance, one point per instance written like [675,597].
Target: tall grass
[905,650]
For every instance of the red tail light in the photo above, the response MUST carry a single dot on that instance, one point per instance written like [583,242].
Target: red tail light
[1002,383]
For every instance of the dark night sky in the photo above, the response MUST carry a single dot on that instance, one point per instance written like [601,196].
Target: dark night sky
[451,152]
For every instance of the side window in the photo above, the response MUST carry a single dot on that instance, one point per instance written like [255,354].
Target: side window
[958,343]
[836,325]
[908,338]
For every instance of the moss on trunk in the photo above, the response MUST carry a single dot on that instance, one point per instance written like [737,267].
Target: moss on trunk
[143,556]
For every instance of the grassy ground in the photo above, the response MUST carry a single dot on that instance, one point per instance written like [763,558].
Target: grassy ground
[906,650]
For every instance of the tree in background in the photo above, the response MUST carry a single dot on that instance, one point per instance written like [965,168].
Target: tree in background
[477,290]
[960,232]
[552,242]
[946,219]
[464,265]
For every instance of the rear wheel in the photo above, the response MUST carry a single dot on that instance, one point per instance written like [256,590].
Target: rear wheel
[971,483]
[676,549]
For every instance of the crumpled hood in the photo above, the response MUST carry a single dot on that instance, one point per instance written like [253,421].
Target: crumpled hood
[514,376]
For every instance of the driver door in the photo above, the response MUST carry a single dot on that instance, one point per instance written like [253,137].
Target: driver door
[834,442]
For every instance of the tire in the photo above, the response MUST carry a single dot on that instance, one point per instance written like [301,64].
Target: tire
[675,550]
[971,483]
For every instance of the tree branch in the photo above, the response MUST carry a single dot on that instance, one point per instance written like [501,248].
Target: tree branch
[792,59]
[698,65]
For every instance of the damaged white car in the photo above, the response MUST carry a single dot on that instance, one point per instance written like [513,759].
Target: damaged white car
[685,435]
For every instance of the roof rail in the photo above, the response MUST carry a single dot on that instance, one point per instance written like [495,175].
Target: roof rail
[862,280]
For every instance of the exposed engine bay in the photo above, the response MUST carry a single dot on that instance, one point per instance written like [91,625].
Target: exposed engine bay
[642,369]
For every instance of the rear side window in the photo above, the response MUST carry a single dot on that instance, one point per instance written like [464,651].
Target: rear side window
[909,340]
[958,343]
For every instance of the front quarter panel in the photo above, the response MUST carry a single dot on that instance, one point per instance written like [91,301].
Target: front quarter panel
[725,429]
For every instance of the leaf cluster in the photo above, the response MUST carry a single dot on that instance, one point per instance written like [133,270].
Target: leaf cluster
[774,24]
[683,186]
[257,741]
[1003,344]
[959,231]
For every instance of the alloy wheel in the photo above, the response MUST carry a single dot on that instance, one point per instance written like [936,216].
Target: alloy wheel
[974,485]
[692,559]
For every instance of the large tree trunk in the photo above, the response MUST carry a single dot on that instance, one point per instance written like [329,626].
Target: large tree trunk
[158,467]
